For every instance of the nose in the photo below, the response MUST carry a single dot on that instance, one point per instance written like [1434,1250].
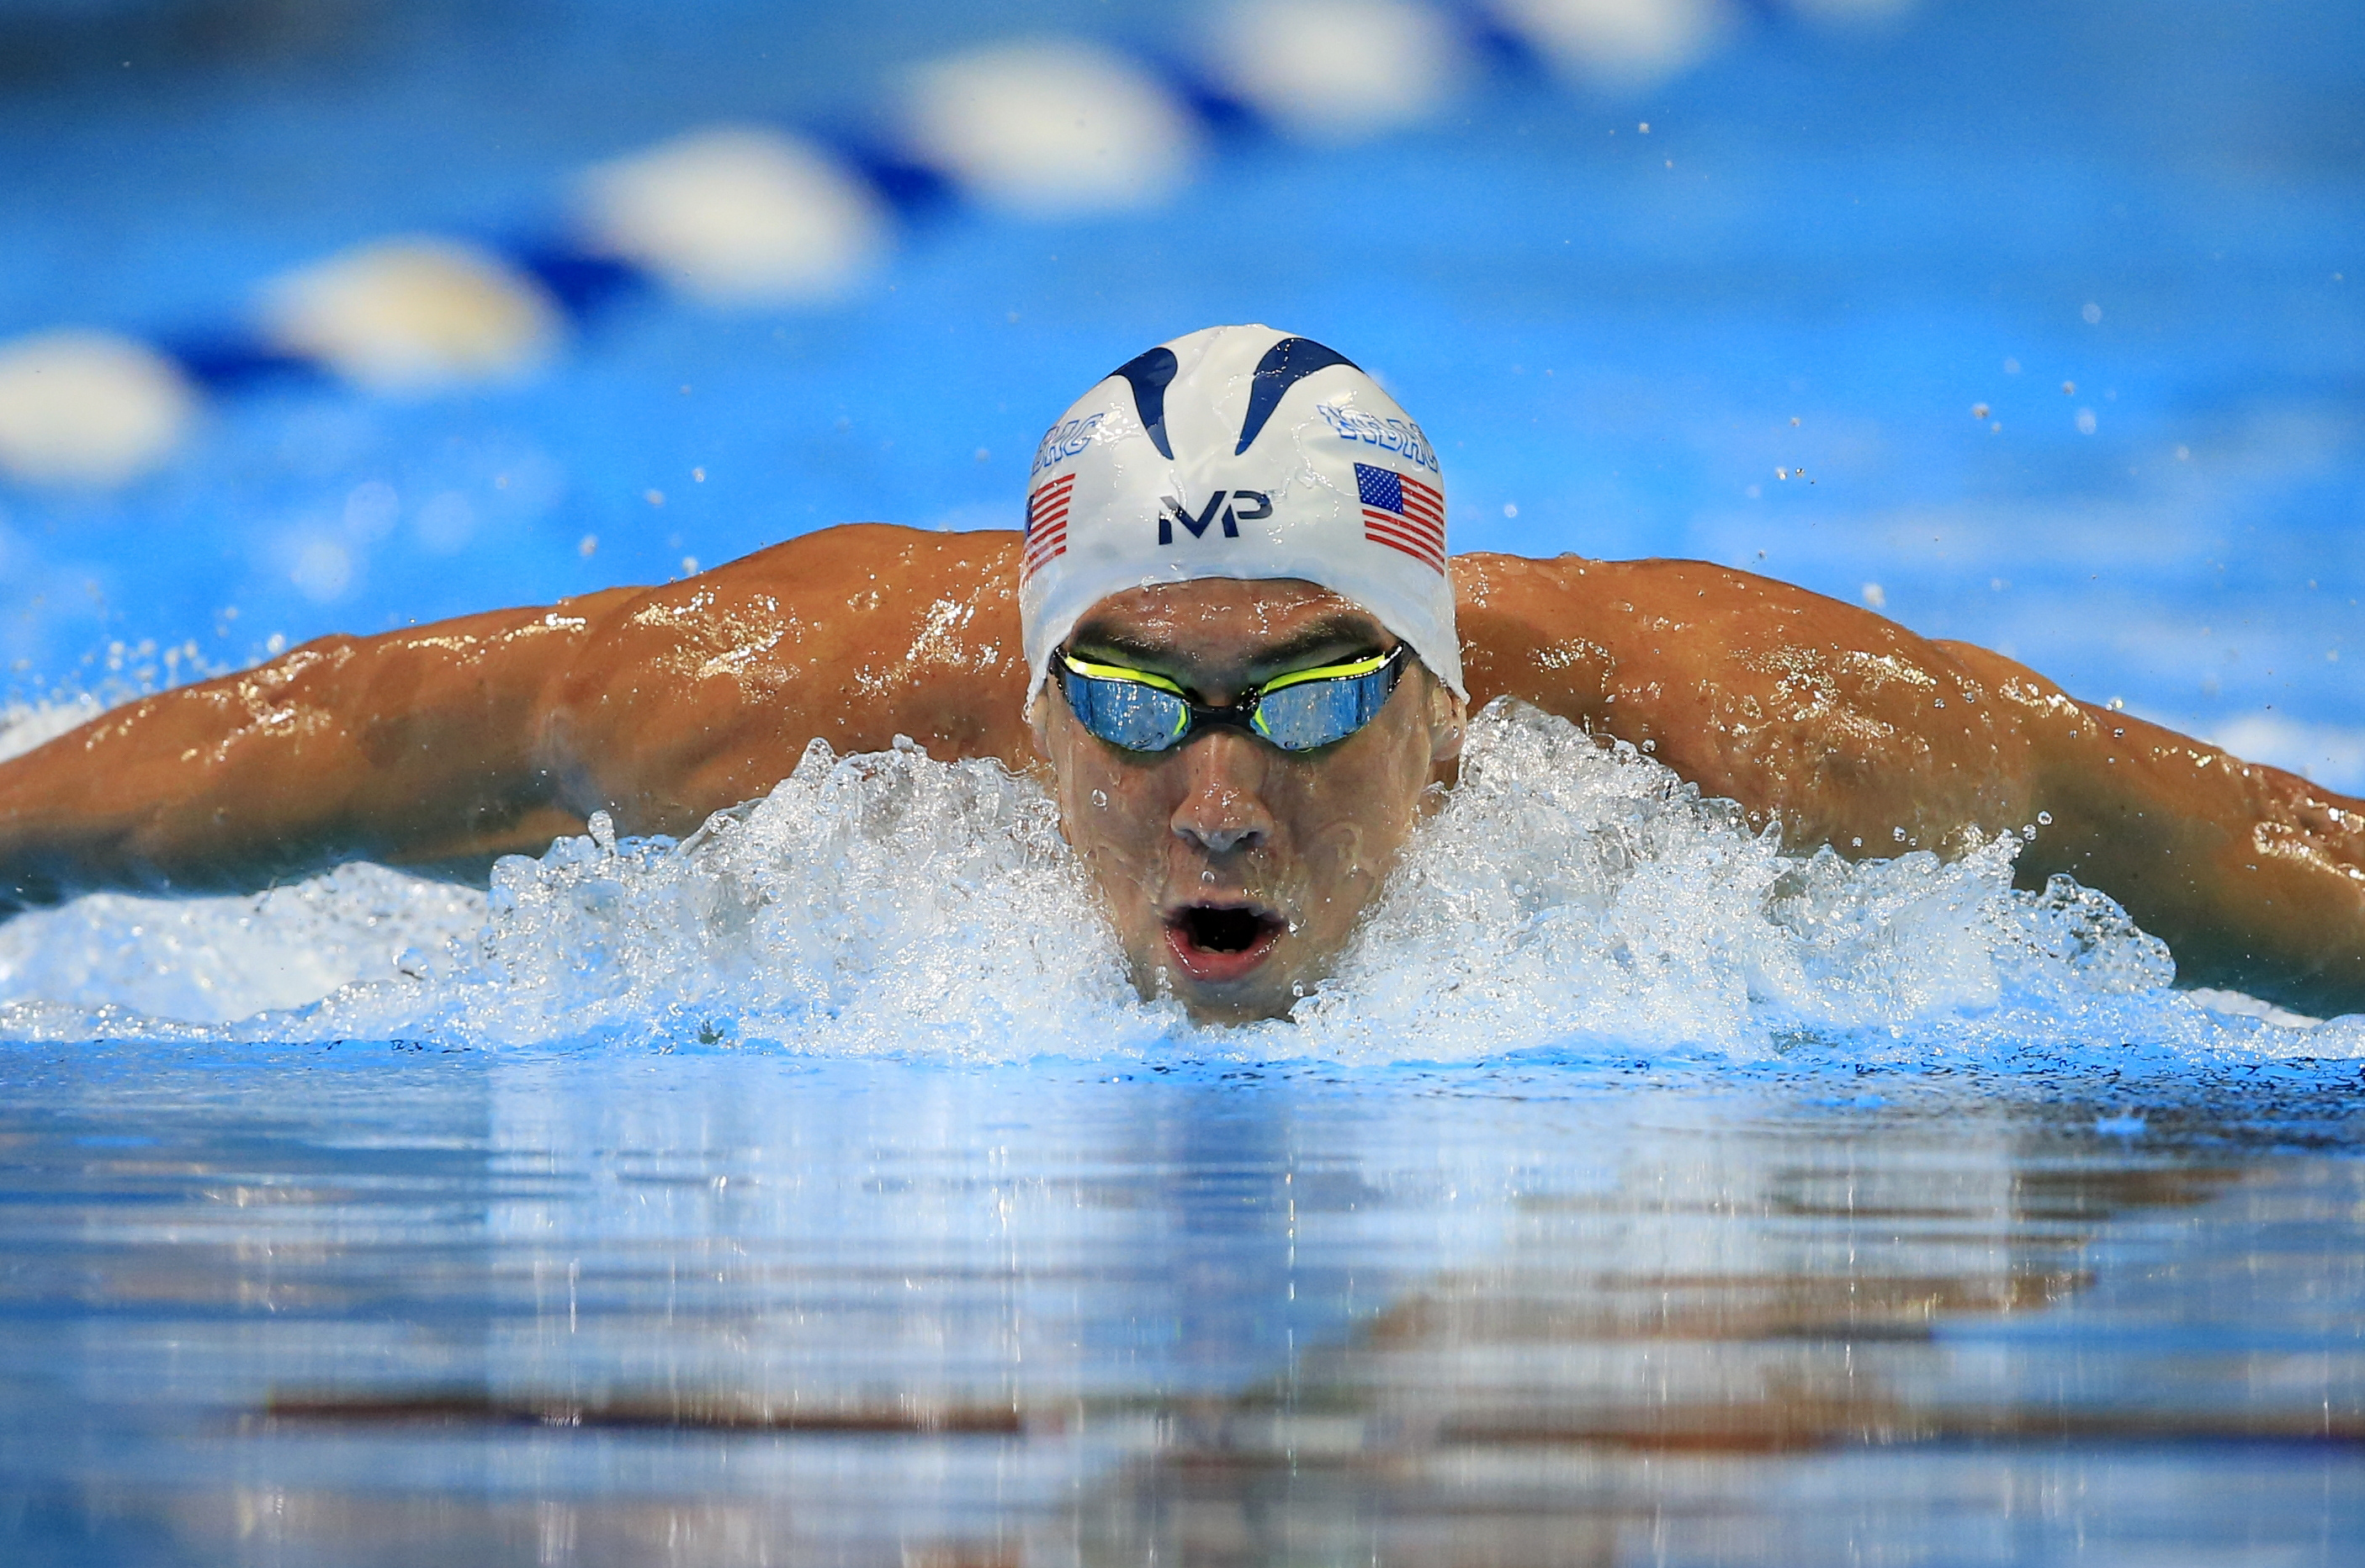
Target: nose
[1223,807]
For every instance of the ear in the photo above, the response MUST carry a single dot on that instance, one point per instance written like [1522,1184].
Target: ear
[1448,720]
[1039,720]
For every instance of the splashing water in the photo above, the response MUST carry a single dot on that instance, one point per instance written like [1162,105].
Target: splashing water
[1566,895]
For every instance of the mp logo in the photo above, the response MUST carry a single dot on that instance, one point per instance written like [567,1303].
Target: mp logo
[1246,505]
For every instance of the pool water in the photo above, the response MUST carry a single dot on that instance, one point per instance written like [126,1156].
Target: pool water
[816,1191]
[1834,242]
[360,1304]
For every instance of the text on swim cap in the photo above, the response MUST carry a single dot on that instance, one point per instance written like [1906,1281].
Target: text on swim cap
[1065,440]
[1392,434]
[1199,523]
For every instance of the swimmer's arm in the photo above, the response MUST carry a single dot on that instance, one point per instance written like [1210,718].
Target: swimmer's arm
[440,748]
[2254,876]
[1852,731]
[424,748]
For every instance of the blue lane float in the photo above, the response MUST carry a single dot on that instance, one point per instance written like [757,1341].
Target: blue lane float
[753,216]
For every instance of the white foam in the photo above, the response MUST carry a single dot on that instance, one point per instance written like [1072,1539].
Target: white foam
[24,726]
[1566,895]
[214,961]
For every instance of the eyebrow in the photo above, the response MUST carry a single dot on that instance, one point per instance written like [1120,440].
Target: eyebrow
[1342,627]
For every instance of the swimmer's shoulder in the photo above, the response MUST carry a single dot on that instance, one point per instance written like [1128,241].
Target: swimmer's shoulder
[707,689]
[848,573]
[1553,597]
[891,554]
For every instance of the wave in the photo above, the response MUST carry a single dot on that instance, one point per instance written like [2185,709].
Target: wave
[1566,897]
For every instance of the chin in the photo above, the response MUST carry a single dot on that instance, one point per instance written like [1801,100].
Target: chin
[1234,1009]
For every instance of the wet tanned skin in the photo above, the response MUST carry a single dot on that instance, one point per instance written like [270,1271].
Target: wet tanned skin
[443,746]
[1230,822]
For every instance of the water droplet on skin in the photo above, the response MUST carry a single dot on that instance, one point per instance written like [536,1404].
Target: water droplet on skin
[1899,833]
[1100,798]
[2044,818]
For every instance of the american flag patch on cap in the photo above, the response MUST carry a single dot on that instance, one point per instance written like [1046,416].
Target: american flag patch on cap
[1046,524]
[1403,514]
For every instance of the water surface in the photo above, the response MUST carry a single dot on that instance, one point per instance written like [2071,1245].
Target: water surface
[363,1303]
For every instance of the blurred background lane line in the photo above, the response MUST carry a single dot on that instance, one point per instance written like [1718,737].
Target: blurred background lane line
[2028,325]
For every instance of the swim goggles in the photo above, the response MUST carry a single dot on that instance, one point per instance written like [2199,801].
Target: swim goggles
[1137,710]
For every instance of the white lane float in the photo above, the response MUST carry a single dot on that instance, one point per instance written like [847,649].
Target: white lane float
[413,315]
[750,216]
[80,408]
[737,216]
[1052,128]
[1620,45]
[1340,70]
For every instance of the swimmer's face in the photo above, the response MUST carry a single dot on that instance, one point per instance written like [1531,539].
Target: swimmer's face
[1234,870]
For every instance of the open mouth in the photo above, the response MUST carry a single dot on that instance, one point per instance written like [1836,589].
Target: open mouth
[1217,943]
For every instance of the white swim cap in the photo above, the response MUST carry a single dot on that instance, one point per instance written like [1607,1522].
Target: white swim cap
[1238,452]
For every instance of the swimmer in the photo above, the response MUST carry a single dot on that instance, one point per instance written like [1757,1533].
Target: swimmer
[1231,642]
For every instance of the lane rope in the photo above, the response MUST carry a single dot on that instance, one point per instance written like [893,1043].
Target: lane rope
[740,217]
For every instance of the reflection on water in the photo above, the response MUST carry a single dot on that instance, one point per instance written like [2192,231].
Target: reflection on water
[365,1305]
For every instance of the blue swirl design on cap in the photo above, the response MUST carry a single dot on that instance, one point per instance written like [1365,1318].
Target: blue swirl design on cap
[1284,364]
[1149,375]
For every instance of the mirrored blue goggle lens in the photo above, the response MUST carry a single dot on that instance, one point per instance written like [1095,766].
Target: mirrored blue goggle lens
[1317,713]
[1126,713]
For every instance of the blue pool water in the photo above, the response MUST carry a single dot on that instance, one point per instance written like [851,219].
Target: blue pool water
[1852,227]
[817,1194]
[356,1305]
